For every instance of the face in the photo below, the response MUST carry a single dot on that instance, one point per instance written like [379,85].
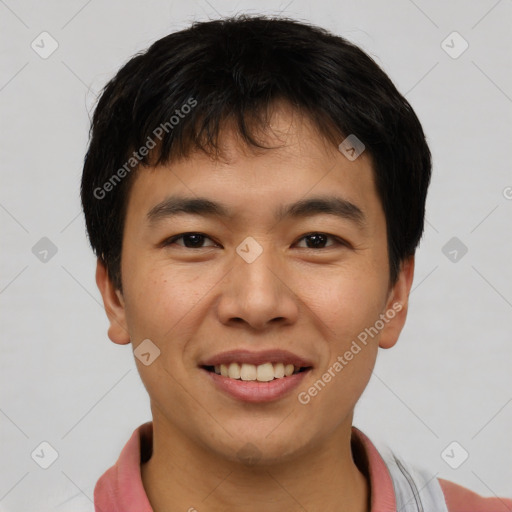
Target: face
[281,259]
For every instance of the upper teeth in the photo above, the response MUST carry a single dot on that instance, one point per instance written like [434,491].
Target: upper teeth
[263,372]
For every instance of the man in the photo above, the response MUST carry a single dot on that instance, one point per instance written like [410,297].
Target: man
[255,190]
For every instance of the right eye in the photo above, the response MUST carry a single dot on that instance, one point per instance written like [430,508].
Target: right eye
[190,240]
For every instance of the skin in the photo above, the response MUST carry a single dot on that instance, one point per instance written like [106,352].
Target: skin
[194,303]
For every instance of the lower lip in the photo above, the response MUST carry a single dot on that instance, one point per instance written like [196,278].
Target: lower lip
[254,391]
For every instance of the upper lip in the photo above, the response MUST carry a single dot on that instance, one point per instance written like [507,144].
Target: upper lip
[257,358]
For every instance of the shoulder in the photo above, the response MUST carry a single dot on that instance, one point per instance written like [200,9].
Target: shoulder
[461,499]
[394,480]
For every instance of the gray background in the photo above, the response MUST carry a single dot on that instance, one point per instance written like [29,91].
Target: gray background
[62,381]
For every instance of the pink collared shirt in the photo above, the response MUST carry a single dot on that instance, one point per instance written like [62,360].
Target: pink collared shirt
[120,488]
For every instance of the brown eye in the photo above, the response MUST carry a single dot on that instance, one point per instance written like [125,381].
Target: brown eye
[319,240]
[189,240]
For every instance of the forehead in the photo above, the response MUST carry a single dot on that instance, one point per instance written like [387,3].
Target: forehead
[252,181]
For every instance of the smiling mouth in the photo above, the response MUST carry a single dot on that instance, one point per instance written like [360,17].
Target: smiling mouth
[266,372]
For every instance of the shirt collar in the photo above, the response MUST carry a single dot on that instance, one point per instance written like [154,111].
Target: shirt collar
[120,488]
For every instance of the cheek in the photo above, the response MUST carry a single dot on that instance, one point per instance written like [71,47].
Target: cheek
[348,306]
[346,302]
[161,307]
[159,300]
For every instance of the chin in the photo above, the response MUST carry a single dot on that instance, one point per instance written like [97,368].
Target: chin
[265,449]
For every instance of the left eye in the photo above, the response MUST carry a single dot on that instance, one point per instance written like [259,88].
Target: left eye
[318,240]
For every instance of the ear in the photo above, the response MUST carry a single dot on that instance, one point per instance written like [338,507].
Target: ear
[114,306]
[397,305]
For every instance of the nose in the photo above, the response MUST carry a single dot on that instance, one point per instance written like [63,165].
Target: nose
[258,294]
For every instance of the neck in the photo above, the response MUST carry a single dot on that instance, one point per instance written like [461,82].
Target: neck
[180,475]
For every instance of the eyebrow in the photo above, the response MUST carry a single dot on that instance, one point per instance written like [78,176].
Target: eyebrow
[330,205]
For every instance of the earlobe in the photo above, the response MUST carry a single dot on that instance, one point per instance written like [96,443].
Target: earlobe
[114,306]
[397,305]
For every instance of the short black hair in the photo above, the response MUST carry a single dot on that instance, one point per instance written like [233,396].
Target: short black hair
[178,96]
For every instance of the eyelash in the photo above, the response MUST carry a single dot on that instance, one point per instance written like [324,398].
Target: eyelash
[173,239]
